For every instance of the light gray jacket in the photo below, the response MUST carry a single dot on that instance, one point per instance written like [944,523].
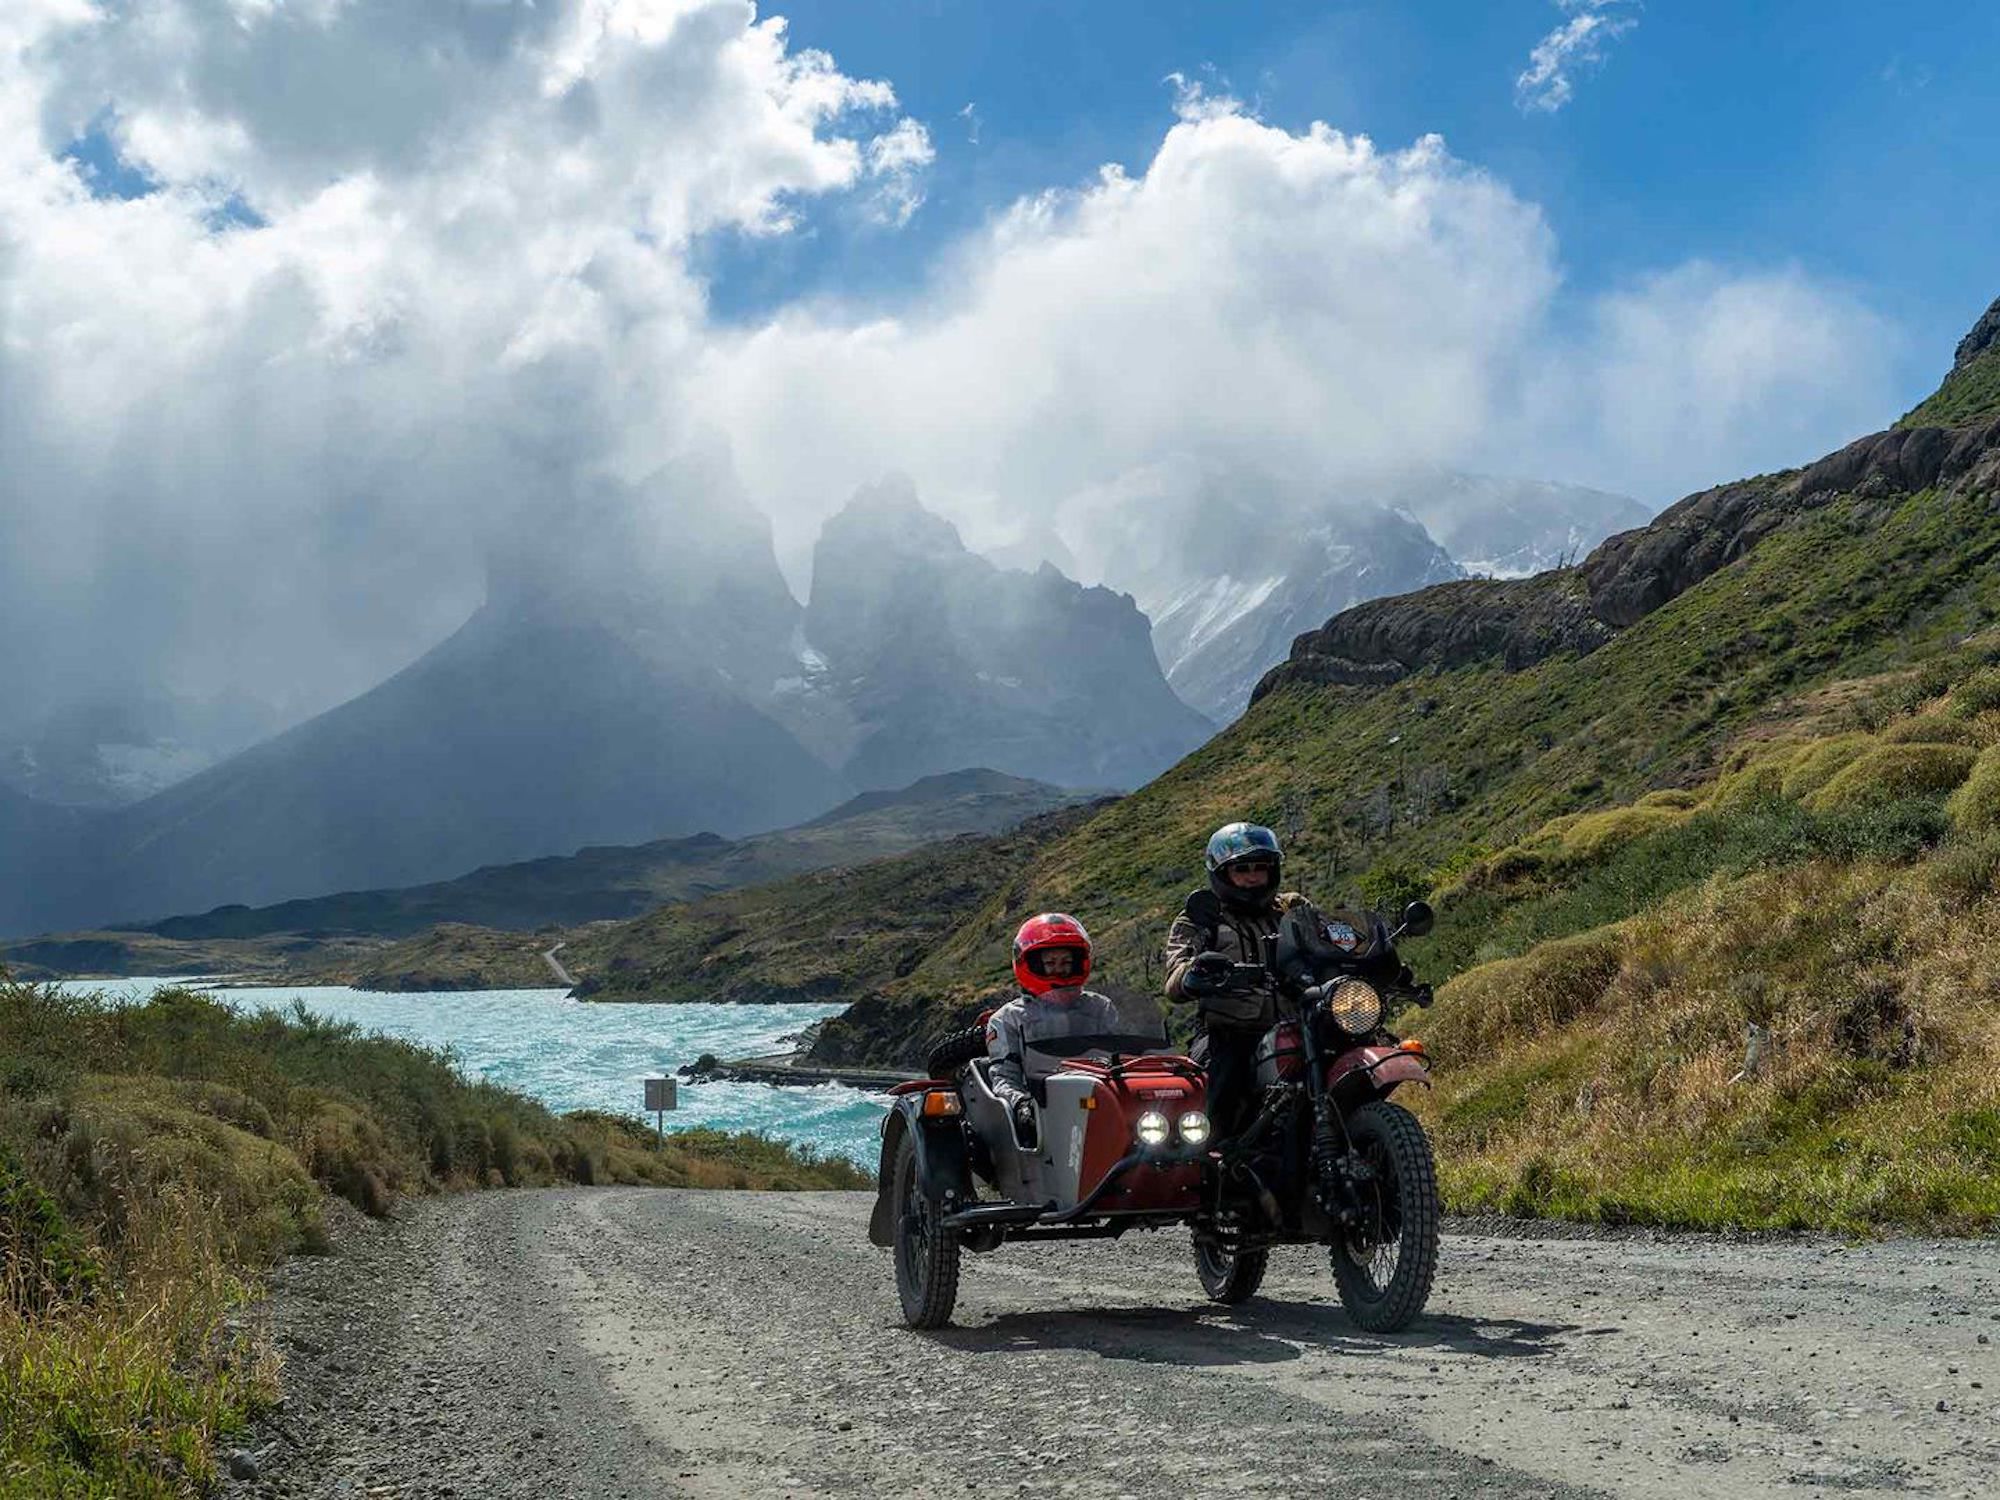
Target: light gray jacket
[1015,1027]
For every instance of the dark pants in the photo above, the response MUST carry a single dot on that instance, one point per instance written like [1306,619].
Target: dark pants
[1231,1061]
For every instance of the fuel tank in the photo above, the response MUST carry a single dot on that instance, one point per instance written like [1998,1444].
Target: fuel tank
[1281,1054]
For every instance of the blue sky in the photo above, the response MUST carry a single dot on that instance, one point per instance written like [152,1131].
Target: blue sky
[1854,139]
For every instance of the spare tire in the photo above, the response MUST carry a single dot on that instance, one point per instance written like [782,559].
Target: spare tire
[952,1051]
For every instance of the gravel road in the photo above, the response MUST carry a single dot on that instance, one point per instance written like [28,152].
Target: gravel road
[625,1342]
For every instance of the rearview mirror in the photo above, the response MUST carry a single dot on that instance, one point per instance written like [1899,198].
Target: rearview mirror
[1204,909]
[1418,920]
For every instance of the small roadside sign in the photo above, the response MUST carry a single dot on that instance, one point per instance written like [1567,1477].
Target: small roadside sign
[662,1094]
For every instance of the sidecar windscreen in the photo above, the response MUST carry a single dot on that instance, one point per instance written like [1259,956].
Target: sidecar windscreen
[1135,1027]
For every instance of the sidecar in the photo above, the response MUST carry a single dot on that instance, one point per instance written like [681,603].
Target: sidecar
[1123,1140]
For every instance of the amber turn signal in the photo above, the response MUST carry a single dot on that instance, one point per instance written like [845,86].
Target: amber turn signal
[940,1102]
[1411,1044]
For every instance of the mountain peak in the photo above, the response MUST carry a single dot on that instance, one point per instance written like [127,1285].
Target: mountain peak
[1984,336]
[1971,392]
[888,514]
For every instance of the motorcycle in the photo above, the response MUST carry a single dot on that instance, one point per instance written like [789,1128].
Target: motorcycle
[1124,1140]
[1330,1158]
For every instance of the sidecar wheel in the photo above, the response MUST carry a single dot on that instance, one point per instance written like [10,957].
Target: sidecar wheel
[926,1255]
[1385,1264]
[1229,1278]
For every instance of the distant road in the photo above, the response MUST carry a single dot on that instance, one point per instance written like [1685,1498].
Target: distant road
[563,976]
[640,1343]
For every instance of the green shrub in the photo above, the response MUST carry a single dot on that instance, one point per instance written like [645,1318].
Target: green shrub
[1975,806]
[1819,764]
[1978,694]
[1967,870]
[1524,997]
[1591,836]
[1390,886]
[1747,787]
[42,1259]
[1891,772]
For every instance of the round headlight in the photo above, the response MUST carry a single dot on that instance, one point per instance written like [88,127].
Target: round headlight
[1355,1006]
[1194,1127]
[1152,1128]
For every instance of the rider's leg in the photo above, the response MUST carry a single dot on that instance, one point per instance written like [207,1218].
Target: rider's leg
[1232,1077]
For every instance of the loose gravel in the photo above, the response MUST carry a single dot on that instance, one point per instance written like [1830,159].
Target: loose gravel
[625,1342]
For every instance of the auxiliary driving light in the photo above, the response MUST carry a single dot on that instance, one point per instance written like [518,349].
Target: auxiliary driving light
[1194,1127]
[1152,1128]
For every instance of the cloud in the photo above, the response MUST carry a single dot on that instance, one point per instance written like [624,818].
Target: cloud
[380,285]
[897,160]
[1545,85]
[1301,304]
[395,273]
[1701,374]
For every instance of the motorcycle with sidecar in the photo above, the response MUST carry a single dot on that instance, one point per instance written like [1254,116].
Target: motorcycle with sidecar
[1125,1140]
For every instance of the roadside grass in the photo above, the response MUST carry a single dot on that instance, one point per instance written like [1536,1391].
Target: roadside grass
[156,1157]
[1595,1076]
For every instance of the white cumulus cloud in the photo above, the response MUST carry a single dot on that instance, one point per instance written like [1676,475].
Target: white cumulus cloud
[1307,305]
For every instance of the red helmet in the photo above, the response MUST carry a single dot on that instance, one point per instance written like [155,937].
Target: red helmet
[1038,936]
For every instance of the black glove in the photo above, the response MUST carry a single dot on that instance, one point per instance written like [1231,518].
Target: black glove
[1027,1131]
[1208,973]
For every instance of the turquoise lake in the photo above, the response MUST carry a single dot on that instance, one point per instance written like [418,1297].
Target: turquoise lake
[576,1056]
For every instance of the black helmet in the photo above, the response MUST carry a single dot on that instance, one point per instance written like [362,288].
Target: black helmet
[1236,844]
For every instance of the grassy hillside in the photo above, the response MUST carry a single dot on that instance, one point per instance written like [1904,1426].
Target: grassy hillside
[1381,793]
[1835,887]
[154,1157]
[826,935]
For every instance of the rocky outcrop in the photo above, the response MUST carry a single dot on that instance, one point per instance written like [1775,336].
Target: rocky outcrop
[1519,623]
[1632,574]
[1902,461]
[1515,623]
[1985,335]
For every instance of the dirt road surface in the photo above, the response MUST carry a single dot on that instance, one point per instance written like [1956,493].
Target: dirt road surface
[624,1342]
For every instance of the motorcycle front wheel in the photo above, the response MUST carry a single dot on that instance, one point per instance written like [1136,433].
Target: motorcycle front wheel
[1385,1263]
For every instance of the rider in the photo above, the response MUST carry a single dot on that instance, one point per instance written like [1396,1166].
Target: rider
[1244,863]
[1051,962]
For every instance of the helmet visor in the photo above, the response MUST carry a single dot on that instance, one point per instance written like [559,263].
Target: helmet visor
[1059,961]
[1253,874]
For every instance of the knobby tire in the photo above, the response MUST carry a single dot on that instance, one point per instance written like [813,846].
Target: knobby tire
[926,1261]
[1392,1136]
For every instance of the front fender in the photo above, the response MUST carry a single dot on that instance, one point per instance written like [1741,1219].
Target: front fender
[1374,1072]
[942,1167]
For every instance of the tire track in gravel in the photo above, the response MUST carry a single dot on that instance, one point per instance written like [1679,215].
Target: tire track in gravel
[636,1342]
